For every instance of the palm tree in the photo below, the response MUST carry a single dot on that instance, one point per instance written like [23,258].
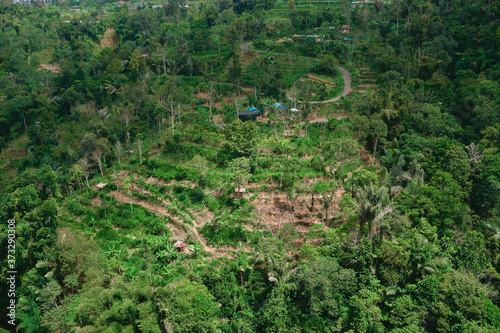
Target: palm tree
[270,253]
[424,257]
[494,227]
[396,178]
[327,200]
[162,40]
[373,204]
[416,177]
[491,139]
[119,254]
[475,155]
[378,5]
[168,254]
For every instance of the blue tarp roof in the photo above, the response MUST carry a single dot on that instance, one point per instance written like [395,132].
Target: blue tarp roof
[279,105]
[253,109]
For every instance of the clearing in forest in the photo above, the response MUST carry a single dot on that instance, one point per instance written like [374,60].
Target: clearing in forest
[110,38]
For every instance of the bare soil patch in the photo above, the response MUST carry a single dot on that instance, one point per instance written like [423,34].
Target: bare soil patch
[275,210]
[110,38]
[15,153]
[367,158]
[51,68]
[316,79]
[219,101]
[284,39]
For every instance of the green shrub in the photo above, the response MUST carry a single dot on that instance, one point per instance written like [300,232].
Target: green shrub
[108,234]
[230,234]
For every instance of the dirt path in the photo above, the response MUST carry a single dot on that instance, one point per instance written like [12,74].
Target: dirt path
[160,210]
[246,46]
[345,74]
[201,239]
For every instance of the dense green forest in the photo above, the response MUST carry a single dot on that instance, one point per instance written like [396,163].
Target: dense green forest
[143,204]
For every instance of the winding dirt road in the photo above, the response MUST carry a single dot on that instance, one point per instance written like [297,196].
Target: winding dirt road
[162,211]
[347,88]
[345,74]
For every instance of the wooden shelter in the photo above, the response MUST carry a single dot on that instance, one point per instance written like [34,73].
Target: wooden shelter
[249,114]
[239,191]
[180,246]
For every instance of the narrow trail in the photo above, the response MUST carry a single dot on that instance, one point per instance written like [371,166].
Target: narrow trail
[162,211]
[345,74]
[201,239]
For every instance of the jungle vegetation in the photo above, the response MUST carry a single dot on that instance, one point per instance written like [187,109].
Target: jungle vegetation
[377,213]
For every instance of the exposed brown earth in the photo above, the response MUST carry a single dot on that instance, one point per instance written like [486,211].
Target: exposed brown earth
[316,79]
[110,38]
[15,153]
[52,68]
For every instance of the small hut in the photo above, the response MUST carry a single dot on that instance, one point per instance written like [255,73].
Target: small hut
[249,114]
[346,28]
[239,191]
[180,246]
[101,186]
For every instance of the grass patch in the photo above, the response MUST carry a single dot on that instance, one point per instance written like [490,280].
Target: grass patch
[44,56]
[292,66]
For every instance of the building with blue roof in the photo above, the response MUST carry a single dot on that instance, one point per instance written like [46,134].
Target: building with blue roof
[279,105]
[249,114]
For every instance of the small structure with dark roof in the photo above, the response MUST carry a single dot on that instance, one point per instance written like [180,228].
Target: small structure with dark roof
[249,114]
